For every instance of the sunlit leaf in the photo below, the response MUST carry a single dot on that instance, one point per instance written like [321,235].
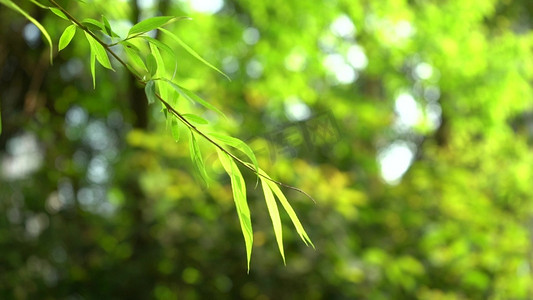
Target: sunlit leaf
[59,13]
[239,197]
[196,156]
[66,37]
[195,119]
[192,52]
[149,90]
[288,208]
[134,55]
[161,72]
[16,8]
[93,24]
[238,144]
[274,216]
[192,96]
[151,64]
[107,26]
[148,25]
[99,51]
[93,68]
[168,119]
[159,44]
[37,3]
[174,129]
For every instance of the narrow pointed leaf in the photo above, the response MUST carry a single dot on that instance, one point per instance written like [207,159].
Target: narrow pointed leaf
[93,68]
[149,90]
[175,130]
[161,71]
[148,25]
[193,97]
[290,211]
[134,55]
[196,157]
[237,144]
[164,90]
[158,44]
[274,216]
[192,52]
[151,64]
[66,37]
[239,197]
[107,26]
[99,51]
[58,13]
[36,3]
[93,24]
[168,119]
[195,119]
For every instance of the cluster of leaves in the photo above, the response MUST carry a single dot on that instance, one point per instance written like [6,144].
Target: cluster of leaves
[144,58]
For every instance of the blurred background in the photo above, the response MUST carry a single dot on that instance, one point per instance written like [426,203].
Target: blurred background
[410,122]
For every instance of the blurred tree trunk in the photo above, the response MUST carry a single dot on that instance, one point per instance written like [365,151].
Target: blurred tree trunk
[138,103]
[139,276]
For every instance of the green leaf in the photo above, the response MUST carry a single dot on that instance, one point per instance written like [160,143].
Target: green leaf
[192,96]
[168,118]
[67,36]
[107,26]
[151,64]
[161,71]
[239,197]
[274,216]
[192,52]
[237,144]
[164,90]
[196,156]
[93,68]
[195,119]
[159,44]
[38,4]
[16,8]
[149,90]
[59,13]
[99,51]
[288,208]
[174,129]
[134,55]
[93,24]
[148,25]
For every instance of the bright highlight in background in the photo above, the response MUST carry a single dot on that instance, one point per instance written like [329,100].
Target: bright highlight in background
[395,160]
[337,66]
[343,27]
[409,114]
[206,6]
[296,109]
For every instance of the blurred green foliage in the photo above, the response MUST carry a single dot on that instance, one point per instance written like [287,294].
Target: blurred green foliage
[332,95]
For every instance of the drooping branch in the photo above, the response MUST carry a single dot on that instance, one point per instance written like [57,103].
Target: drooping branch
[172,109]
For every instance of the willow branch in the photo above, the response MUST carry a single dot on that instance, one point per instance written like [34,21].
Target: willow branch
[172,109]
[84,28]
